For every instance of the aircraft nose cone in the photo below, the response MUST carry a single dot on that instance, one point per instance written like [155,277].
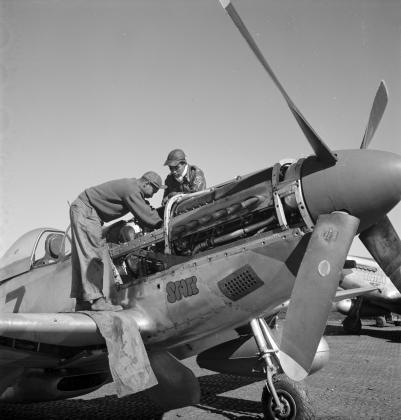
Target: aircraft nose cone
[365,183]
[393,171]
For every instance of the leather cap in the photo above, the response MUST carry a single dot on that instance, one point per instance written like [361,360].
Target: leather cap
[175,157]
[154,179]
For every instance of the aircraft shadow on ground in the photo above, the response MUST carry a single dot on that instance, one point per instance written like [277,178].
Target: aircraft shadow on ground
[229,407]
[139,406]
[382,333]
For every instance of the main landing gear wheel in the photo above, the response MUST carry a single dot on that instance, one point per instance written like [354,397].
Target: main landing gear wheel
[381,321]
[292,395]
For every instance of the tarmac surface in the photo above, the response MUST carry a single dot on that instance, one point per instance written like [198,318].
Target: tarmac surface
[362,380]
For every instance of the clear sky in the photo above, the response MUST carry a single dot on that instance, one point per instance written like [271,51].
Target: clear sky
[93,90]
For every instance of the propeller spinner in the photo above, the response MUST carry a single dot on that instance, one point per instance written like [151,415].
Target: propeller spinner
[381,239]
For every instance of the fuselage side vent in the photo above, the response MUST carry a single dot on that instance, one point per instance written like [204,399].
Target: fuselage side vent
[240,283]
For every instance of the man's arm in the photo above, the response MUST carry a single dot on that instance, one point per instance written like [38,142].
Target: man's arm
[145,214]
[166,194]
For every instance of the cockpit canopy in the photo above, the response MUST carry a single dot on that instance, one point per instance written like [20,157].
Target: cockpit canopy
[36,248]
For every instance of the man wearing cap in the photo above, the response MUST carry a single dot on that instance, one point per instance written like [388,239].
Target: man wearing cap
[183,178]
[91,262]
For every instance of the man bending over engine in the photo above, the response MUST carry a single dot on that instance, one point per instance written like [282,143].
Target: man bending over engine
[93,207]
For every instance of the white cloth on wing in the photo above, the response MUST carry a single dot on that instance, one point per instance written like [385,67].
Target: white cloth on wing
[128,359]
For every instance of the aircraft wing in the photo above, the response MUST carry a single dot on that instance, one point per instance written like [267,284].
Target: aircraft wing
[25,357]
[71,337]
[48,340]
[351,293]
[65,329]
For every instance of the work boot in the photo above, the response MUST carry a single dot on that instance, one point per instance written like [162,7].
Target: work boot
[82,305]
[101,304]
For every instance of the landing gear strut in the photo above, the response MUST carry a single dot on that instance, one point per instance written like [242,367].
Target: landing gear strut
[352,325]
[281,397]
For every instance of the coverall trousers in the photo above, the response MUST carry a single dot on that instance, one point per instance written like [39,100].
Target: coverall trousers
[91,264]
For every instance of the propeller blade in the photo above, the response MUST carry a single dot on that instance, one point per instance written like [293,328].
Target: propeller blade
[321,150]
[383,242]
[376,113]
[314,290]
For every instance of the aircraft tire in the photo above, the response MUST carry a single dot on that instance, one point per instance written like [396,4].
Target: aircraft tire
[297,404]
[380,321]
[352,325]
